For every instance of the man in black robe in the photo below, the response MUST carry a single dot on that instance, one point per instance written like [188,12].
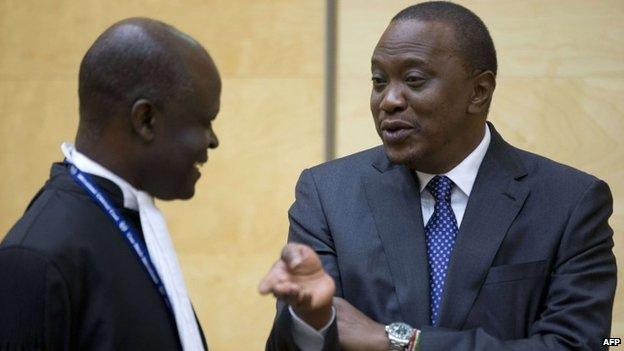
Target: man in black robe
[69,280]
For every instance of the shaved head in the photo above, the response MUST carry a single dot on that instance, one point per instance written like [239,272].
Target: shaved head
[148,96]
[133,59]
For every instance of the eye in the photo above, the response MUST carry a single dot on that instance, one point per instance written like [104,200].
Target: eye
[415,81]
[378,82]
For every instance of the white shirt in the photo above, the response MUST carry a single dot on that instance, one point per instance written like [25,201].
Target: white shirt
[463,175]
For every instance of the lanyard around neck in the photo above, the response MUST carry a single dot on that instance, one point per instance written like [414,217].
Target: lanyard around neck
[124,227]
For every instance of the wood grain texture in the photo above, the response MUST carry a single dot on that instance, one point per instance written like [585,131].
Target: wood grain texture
[559,88]
[270,55]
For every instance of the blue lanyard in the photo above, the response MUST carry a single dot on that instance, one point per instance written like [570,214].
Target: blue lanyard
[131,238]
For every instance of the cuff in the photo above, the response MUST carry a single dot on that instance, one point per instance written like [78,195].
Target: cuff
[306,337]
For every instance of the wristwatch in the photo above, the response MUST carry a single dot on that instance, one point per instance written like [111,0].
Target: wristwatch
[400,335]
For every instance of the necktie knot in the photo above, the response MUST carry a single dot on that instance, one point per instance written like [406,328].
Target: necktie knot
[440,187]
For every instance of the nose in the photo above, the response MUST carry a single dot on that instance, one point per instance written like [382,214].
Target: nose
[213,141]
[393,99]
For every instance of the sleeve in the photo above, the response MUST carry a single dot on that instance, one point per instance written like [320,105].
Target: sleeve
[307,226]
[579,301]
[34,302]
[306,337]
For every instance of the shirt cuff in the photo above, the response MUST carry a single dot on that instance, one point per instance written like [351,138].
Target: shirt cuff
[306,337]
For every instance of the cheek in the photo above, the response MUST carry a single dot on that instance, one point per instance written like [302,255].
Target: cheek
[427,103]
[192,140]
[375,99]
[438,102]
[432,111]
[178,155]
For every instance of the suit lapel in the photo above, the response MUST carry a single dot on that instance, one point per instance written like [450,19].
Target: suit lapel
[394,199]
[494,203]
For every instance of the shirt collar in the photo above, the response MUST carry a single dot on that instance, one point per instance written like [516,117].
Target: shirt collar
[87,165]
[465,173]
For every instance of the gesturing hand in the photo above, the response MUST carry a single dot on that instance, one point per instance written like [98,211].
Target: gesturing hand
[298,279]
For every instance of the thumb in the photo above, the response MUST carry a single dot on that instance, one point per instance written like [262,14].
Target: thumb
[301,259]
[293,255]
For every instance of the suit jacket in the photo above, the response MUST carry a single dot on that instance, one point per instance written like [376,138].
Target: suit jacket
[532,267]
[69,280]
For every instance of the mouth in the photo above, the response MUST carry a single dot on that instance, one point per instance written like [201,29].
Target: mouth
[198,165]
[394,131]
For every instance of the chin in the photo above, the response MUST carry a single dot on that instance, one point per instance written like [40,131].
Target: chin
[181,194]
[400,156]
[186,194]
[186,189]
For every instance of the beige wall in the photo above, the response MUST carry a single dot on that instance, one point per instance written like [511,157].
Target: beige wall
[559,94]
[560,84]
[270,54]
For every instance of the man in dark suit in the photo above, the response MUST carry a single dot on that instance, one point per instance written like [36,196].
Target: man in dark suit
[90,265]
[447,237]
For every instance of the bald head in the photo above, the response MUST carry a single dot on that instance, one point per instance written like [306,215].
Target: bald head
[148,96]
[133,59]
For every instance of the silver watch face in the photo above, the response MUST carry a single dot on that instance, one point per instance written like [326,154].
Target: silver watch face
[400,331]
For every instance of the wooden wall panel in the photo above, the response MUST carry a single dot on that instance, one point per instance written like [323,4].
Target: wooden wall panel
[559,92]
[270,54]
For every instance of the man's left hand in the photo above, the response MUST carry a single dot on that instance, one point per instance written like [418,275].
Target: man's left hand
[358,332]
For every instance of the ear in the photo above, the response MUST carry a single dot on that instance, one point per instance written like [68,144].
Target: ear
[143,117]
[484,84]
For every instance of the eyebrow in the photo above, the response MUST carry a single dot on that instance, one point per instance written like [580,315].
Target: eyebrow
[410,60]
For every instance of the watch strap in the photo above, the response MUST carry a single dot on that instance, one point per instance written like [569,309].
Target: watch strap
[414,344]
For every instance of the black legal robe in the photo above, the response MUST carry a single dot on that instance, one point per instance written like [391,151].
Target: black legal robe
[69,280]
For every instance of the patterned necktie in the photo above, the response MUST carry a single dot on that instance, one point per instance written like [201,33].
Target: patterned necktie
[440,233]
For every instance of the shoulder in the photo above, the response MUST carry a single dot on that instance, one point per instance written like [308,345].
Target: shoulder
[57,224]
[347,168]
[552,177]
[555,189]
[541,174]
[359,159]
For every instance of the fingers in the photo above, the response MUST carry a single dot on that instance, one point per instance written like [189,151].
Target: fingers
[292,256]
[298,279]
[279,283]
[291,293]
[286,291]
[276,274]
[296,297]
